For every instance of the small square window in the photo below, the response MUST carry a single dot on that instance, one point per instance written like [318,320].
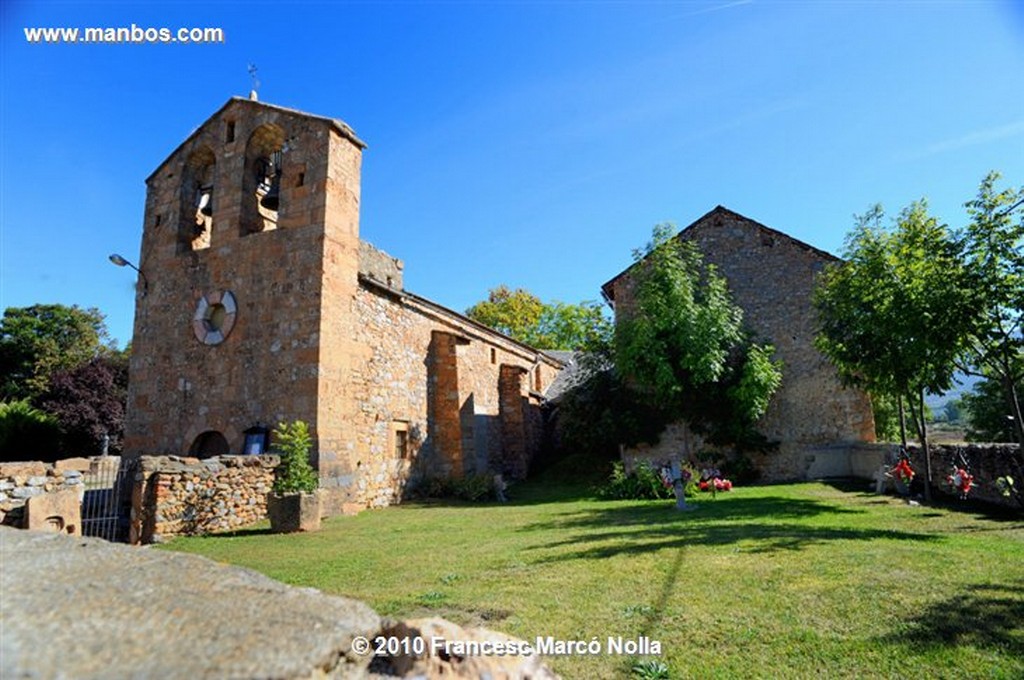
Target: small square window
[400,437]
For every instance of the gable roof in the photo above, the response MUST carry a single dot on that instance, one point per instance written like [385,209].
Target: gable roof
[340,126]
[716,214]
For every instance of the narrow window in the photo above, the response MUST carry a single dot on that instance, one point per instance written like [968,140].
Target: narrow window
[230,135]
[301,179]
[400,436]
[494,356]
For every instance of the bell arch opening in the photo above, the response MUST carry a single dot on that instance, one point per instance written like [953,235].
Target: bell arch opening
[261,183]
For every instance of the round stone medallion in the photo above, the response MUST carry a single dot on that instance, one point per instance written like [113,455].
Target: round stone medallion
[214,317]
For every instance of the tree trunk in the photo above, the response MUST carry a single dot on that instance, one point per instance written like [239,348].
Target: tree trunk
[1013,401]
[903,421]
[925,449]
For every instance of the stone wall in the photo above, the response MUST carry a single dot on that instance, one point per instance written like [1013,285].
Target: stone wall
[22,481]
[987,462]
[771,276]
[435,375]
[174,495]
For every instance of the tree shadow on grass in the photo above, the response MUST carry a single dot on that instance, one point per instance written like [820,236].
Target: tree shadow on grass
[982,616]
[762,525]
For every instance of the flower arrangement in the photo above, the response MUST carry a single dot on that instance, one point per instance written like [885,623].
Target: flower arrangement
[903,472]
[711,480]
[961,481]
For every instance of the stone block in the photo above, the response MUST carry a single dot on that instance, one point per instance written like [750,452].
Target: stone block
[294,512]
[58,512]
[72,464]
[30,469]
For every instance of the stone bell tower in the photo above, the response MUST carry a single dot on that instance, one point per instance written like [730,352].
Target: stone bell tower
[250,248]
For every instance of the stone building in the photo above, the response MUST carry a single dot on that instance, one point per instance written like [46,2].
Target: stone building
[259,303]
[771,277]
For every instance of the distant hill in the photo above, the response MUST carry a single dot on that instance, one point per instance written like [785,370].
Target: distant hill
[963,384]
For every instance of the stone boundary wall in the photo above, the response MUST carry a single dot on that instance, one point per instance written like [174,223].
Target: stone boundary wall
[986,462]
[175,495]
[21,481]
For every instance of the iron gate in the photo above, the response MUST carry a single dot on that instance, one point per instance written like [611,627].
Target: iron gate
[104,507]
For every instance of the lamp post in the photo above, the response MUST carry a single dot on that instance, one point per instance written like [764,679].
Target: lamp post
[121,262]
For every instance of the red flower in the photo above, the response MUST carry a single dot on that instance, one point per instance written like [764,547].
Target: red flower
[903,470]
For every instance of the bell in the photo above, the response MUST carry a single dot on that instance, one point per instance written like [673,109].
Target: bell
[205,202]
[271,199]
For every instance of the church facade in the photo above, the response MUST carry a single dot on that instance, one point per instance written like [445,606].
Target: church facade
[261,304]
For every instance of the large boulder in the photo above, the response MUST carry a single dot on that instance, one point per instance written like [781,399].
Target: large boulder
[84,608]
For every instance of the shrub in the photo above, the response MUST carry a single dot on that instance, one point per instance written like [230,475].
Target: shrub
[292,442]
[476,487]
[644,483]
[26,433]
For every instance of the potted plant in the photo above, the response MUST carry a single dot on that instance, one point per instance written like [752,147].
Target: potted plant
[294,503]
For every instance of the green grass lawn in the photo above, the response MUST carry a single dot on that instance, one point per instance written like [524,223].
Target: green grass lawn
[803,580]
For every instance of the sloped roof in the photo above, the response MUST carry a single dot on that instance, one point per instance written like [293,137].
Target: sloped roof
[608,289]
[339,125]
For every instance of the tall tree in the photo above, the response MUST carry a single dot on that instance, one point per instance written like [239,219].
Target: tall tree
[521,315]
[515,313]
[681,341]
[892,314]
[994,254]
[36,341]
[89,403]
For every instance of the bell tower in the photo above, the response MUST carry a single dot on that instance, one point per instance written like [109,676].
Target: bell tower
[250,246]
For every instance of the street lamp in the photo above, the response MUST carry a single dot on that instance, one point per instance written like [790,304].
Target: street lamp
[121,262]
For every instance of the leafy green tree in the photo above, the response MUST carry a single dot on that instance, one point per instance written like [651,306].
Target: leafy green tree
[571,327]
[887,419]
[953,410]
[26,433]
[994,256]
[36,341]
[891,316]
[522,316]
[988,415]
[515,313]
[681,342]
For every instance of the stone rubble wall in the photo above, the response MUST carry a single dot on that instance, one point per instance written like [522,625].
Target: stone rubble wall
[173,495]
[22,481]
[438,375]
[987,462]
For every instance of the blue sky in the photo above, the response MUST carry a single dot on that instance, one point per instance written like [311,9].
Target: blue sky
[528,143]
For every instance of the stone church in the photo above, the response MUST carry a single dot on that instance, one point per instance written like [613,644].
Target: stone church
[261,304]
[771,277]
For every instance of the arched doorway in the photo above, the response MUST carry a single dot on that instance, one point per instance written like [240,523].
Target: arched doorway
[209,444]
